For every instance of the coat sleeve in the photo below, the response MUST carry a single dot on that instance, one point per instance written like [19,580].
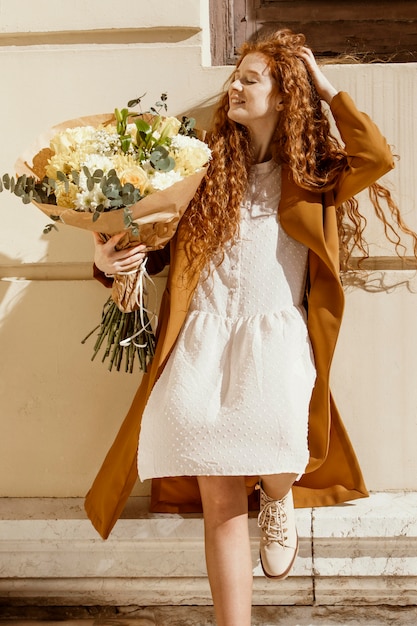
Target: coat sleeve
[368,154]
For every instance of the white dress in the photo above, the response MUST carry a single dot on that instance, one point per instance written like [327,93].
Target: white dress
[234,395]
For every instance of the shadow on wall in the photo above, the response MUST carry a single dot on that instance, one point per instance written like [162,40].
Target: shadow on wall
[381,281]
[59,411]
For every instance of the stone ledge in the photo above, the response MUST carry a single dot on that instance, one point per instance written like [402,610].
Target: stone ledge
[364,553]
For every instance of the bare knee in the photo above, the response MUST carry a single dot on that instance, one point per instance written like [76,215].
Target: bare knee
[223,497]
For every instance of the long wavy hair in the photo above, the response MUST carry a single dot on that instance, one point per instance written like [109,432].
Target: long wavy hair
[302,140]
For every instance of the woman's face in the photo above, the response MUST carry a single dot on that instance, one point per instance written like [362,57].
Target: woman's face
[253,97]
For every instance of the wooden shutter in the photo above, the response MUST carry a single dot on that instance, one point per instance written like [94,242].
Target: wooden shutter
[373,30]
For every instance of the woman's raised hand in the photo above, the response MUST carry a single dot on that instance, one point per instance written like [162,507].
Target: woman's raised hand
[324,87]
[112,261]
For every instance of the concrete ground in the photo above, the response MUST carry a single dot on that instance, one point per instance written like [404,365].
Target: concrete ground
[203,616]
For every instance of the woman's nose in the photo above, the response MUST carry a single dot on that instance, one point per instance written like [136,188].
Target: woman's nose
[236,85]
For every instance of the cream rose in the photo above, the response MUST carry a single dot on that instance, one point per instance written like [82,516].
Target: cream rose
[71,138]
[137,177]
[169,127]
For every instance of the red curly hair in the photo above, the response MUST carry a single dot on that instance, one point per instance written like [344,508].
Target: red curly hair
[303,140]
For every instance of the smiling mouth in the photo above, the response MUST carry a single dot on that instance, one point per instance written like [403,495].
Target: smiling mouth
[235,100]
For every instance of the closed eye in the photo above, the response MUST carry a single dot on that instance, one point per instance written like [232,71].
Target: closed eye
[247,79]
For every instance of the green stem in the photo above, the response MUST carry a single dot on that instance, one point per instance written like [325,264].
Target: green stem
[116,326]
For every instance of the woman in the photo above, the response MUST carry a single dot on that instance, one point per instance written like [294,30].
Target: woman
[238,392]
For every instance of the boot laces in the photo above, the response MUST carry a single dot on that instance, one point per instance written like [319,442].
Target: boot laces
[272,520]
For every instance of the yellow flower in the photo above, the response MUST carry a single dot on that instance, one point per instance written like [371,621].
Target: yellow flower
[65,162]
[66,198]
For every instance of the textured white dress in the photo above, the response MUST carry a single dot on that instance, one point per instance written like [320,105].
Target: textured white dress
[233,398]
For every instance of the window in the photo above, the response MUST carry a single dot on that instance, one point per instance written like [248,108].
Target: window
[383,30]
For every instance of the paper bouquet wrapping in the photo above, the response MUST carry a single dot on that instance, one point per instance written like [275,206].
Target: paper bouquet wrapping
[110,173]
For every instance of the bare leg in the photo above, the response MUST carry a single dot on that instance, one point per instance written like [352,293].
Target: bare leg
[228,556]
[277,485]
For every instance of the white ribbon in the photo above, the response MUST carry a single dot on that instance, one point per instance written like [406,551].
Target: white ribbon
[139,296]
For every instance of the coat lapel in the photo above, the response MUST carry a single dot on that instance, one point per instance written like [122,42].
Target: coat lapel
[310,218]
[306,218]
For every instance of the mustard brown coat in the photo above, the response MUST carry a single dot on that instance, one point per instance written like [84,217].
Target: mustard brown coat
[333,474]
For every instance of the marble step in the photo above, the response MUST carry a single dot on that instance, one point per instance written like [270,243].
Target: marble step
[362,553]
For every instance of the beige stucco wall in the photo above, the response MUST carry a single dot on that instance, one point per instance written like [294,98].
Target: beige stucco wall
[59,411]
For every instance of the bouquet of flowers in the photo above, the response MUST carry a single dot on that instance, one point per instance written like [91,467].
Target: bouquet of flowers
[128,171]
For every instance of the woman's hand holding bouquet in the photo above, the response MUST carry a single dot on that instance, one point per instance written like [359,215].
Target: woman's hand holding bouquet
[110,260]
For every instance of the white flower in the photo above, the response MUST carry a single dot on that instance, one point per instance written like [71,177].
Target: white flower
[97,162]
[181,142]
[90,200]
[189,153]
[163,180]
[106,141]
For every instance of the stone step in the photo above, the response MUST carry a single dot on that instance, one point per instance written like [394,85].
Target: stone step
[203,616]
[362,553]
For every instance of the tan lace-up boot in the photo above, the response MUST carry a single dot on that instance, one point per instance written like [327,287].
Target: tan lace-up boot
[279,540]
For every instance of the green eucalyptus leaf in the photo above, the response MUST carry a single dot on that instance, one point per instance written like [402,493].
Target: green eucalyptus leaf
[159,152]
[48,228]
[160,159]
[135,101]
[130,197]
[6,181]
[114,180]
[116,202]
[20,187]
[187,126]
[63,179]
[111,193]
[128,188]
[165,165]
